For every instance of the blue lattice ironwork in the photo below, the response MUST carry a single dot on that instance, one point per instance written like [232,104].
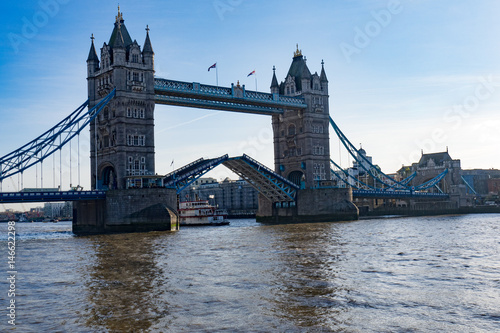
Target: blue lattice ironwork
[186,175]
[51,141]
[273,186]
[193,94]
[373,170]
[431,183]
[263,179]
[387,183]
[20,197]
[344,177]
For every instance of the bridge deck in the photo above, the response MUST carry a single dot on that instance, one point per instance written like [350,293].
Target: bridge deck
[264,180]
[237,99]
[20,197]
[184,176]
[398,195]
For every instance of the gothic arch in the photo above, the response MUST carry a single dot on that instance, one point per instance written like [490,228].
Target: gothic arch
[296,177]
[108,177]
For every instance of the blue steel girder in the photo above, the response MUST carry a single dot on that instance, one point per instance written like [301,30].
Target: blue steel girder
[348,176]
[468,185]
[271,185]
[20,197]
[237,99]
[52,140]
[372,169]
[376,173]
[186,175]
[433,182]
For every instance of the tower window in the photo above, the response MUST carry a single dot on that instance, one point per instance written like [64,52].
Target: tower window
[135,58]
[291,129]
[136,140]
[318,150]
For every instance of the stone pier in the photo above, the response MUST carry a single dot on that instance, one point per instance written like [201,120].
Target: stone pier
[312,205]
[131,210]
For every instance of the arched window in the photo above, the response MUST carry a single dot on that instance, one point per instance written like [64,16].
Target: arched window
[296,177]
[291,129]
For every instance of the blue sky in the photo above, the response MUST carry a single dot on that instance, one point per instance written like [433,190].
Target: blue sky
[403,75]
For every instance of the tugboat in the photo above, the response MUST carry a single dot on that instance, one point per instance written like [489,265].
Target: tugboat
[201,213]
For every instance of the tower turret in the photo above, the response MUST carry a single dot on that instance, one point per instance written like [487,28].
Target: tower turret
[147,51]
[92,59]
[323,79]
[275,88]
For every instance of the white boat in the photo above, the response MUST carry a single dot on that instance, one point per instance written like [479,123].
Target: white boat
[199,213]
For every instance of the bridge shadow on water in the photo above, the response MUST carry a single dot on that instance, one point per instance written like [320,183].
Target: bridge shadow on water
[124,283]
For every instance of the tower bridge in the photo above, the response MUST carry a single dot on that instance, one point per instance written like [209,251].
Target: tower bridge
[122,94]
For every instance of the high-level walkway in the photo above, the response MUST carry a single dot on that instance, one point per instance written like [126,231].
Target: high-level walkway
[236,98]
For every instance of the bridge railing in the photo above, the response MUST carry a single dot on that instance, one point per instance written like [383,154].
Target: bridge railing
[193,89]
[258,166]
[19,197]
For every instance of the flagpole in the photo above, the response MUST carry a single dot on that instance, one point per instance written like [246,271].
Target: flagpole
[216,74]
[256,81]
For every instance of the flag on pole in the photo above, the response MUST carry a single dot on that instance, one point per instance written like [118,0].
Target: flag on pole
[251,73]
[172,163]
[213,66]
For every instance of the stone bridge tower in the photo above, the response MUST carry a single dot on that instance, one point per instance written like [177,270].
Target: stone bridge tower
[123,133]
[301,140]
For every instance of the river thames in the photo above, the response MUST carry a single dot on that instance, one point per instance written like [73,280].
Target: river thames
[412,274]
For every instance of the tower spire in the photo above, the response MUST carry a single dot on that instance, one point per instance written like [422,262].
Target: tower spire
[274,82]
[92,53]
[147,44]
[322,76]
[119,17]
[297,53]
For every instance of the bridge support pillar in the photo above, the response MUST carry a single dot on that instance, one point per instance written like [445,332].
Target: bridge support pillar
[131,210]
[312,205]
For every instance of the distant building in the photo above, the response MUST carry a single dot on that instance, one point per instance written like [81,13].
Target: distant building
[432,165]
[479,179]
[58,210]
[235,196]
[357,173]
[494,186]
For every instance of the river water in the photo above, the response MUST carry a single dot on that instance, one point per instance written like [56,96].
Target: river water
[416,274]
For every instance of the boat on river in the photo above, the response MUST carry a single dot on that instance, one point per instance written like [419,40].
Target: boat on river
[201,213]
